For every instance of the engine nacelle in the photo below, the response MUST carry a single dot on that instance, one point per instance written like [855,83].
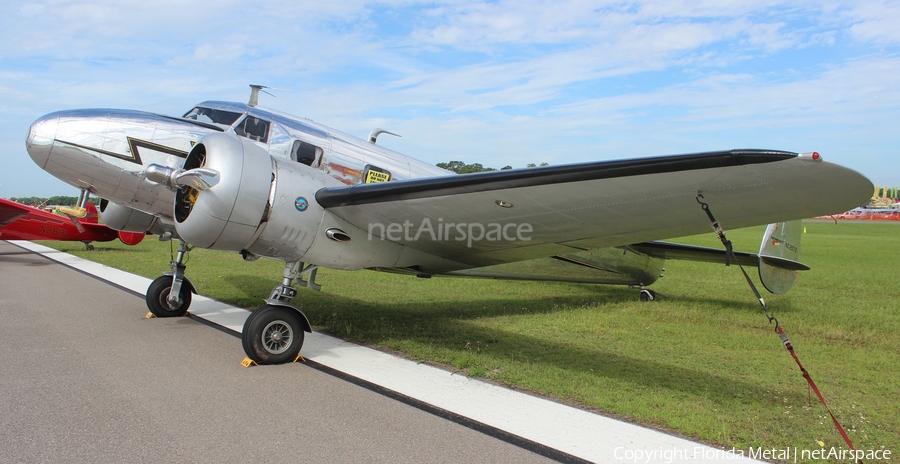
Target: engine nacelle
[248,201]
[261,204]
[118,217]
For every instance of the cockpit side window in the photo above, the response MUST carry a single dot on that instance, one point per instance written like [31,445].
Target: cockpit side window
[254,129]
[210,115]
[306,153]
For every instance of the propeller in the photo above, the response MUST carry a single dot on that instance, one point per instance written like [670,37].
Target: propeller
[197,178]
[74,213]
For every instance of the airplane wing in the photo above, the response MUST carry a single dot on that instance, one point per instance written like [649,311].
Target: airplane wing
[592,205]
[10,211]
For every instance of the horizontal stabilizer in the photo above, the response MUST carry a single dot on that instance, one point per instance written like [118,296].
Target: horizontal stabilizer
[777,259]
[784,263]
[667,250]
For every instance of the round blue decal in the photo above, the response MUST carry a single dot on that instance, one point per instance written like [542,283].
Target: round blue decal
[301,204]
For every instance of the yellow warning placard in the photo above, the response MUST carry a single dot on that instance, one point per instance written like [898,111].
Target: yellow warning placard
[375,175]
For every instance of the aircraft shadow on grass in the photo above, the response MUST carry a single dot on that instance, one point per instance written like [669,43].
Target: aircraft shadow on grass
[445,325]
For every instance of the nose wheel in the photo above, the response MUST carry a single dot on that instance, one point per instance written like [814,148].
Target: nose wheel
[647,295]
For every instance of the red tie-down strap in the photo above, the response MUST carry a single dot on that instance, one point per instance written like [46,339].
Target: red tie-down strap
[729,252]
[812,385]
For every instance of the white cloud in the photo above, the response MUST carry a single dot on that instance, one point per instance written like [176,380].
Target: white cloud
[876,22]
[496,81]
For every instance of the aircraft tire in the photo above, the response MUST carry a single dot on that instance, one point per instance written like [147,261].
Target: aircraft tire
[272,335]
[157,293]
[648,295]
[245,341]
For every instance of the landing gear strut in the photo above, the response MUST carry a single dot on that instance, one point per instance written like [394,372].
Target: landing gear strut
[274,332]
[170,294]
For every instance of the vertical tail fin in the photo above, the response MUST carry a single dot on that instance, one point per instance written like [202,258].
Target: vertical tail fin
[779,256]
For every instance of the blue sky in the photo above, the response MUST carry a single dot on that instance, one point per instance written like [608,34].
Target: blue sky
[503,82]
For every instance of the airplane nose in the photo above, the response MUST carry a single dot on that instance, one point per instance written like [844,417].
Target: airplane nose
[40,138]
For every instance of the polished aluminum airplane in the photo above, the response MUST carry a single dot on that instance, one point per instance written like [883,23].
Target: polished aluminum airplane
[238,177]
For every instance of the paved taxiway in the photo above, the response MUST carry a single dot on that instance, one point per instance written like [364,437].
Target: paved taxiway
[85,378]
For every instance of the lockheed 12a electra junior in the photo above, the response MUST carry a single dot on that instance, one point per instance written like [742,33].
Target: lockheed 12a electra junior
[238,177]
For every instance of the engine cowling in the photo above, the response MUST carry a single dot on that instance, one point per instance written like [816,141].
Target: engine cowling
[261,204]
[118,217]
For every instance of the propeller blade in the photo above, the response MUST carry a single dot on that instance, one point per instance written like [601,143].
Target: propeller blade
[73,211]
[73,214]
[199,178]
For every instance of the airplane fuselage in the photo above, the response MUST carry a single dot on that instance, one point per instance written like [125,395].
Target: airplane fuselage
[106,151]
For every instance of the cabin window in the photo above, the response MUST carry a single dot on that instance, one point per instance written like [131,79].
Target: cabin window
[201,114]
[306,153]
[254,129]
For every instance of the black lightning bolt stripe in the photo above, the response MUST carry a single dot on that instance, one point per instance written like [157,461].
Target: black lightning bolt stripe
[135,145]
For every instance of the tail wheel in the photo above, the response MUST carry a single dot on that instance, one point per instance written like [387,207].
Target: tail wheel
[273,335]
[157,295]
[648,295]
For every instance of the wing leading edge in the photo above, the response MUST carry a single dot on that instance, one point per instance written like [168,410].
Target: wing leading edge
[547,175]
[594,205]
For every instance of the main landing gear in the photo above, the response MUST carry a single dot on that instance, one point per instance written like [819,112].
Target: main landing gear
[170,294]
[274,332]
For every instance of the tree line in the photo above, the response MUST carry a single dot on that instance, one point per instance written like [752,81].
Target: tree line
[460,167]
[58,200]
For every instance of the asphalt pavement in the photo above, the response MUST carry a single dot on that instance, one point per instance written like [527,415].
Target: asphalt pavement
[84,377]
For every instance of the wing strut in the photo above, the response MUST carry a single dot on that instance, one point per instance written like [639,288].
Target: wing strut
[778,329]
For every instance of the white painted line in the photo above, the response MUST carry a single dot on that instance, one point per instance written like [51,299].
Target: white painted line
[580,433]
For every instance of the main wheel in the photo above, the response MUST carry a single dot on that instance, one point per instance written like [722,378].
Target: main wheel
[272,335]
[158,292]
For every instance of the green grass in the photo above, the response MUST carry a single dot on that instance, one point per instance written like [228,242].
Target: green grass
[701,361]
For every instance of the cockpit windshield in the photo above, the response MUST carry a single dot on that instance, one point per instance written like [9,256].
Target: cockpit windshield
[202,114]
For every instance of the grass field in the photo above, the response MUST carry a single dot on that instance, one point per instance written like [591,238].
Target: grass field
[701,360]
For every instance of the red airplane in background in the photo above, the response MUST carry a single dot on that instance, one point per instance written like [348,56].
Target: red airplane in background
[22,222]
